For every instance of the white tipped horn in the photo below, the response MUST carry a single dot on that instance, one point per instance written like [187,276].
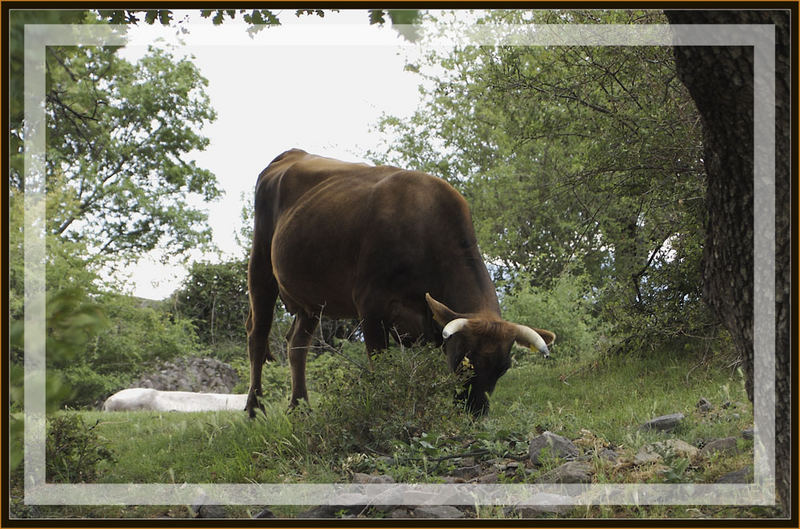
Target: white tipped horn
[453,327]
[530,338]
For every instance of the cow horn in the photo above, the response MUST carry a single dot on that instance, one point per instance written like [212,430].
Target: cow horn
[530,338]
[453,327]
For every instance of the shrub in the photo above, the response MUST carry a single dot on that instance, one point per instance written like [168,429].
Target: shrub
[140,335]
[567,308]
[133,338]
[87,386]
[214,296]
[74,451]
[407,391]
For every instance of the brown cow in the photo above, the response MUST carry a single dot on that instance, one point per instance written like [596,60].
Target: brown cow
[380,244]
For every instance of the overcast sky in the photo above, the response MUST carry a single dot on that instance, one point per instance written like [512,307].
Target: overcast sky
[319,84]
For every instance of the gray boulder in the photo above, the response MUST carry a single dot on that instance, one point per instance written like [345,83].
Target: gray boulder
[200,374]
[264,513]
[703,405]
[572,472]
[400,513]
[744,475]
[665,423]
[466,472]
[652,453]
[554,445]
[726,445]
[437,511]
[360,477]
[552,506]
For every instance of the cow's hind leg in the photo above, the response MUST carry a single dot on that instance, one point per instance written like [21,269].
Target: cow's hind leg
[300,336]
[263,290]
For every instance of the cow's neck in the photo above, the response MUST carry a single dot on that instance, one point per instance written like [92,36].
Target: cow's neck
[473,292]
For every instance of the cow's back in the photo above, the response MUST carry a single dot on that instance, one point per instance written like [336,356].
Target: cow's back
[343,231]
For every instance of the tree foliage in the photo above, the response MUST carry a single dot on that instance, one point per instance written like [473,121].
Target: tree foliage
[584,158]
[214,296]
[120,136]
[120,179]
[258,19]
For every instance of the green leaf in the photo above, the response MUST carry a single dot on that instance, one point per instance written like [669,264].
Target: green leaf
[376,16]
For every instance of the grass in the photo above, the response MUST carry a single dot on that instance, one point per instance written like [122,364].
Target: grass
[592,402]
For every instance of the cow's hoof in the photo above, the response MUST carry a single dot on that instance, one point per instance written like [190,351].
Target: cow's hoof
[254,403]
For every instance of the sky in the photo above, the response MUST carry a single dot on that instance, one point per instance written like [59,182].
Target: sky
[320,84]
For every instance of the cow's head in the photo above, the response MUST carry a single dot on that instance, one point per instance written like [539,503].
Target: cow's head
[482,344]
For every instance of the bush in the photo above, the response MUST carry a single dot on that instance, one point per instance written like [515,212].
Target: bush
[407,392]
[214,296]
[567,308]
[74,451]
[87,386]
[133,338]
[140,335]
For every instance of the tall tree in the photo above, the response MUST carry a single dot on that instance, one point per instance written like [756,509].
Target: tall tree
[572,157]
[120,138]
[720,79]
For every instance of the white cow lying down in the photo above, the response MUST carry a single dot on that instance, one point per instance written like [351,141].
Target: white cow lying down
[156,400]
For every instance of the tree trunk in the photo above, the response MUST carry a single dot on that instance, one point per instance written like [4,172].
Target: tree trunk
[720,80]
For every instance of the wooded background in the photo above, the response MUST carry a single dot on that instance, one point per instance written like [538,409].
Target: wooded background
[610,188]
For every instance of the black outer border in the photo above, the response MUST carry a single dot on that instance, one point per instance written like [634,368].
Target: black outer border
[6,6]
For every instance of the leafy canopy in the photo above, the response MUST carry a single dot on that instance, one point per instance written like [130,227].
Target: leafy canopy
[120,138]
[578,159]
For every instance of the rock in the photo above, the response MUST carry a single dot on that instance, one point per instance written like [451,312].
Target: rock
[450,480]
[557,447]
[650,453]
[400,513]
[491,477]
[703,405]
[572,472]
[537,511]
[211,511]
[265,513]
[748,434]
[201,509]
[202,374]
[466,472]
[665,423]
[744,475]
[726,445]
[437,511]
[321,511]
[608,455]
[359,477]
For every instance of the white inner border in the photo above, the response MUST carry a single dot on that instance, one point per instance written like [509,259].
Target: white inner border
[760,492]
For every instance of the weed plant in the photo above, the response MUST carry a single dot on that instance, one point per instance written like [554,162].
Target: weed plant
[74,450]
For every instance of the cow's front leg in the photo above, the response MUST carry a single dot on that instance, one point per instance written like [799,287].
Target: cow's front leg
[376,338]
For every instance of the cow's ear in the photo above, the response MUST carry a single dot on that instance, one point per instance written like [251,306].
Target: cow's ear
[441,312]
